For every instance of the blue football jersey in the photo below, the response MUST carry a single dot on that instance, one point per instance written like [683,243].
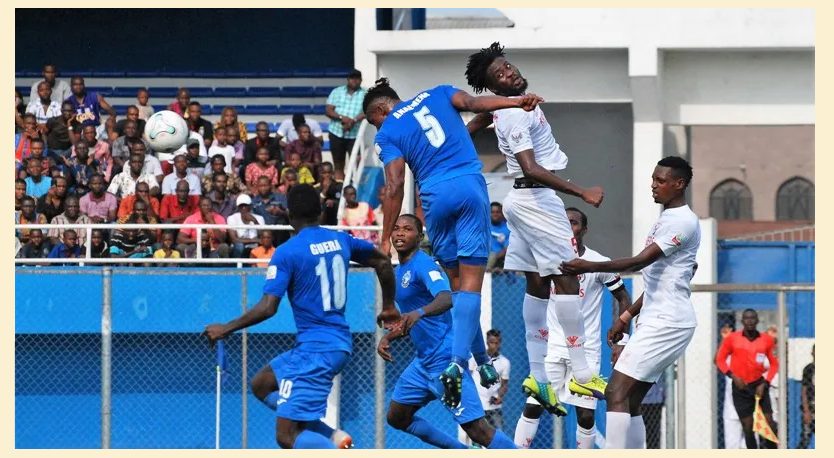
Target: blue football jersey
[312,267]
[419,280]
[428,132]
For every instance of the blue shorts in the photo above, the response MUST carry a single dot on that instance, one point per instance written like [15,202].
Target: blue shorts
[304,382]
[417,387]
[457,220]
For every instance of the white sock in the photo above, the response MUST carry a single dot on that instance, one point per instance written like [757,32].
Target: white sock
[525,431]
[616,429]
[534,311]
[569,314]
[636,437]
[585,438]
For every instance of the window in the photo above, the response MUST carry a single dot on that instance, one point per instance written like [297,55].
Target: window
[731,200]
[795,200]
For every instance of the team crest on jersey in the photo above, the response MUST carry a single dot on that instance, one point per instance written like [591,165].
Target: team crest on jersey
[271,272]
[573,341]
[516,137]
[406,279]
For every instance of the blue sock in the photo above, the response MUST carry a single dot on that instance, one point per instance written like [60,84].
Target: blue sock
[466,319]
[319,427]
[479,347]
[431,435]
[309,439]
[271,400]
[499,440]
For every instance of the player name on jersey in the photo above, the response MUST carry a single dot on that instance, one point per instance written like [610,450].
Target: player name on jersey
[416,101]
[325,247]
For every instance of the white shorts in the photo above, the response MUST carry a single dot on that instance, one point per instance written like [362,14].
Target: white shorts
[651,349]
[559,374]
[540,233]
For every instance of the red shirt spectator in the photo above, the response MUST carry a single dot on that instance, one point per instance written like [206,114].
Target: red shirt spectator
[748,356]
[172,209]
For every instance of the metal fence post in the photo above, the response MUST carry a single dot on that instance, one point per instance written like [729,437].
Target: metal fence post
[244,375]
[782,351]
[379,382]
[106,354]
[669,400]
[558,432]
[680,398]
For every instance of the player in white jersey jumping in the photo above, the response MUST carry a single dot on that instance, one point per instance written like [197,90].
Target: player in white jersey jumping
[557,363]
[541,235]
[667,318]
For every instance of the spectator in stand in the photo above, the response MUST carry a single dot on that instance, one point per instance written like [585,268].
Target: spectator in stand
[99,150]
[142,209]
[308,149]
[132,243]
[243,240]
[68,248]
[124,184]
[167,250]
[131,114]
[19,111]
[150,164]
[271,206]
[222,148]
[187,238]
[88,105]
[99,205]
[260,168]
[62,131]
[51,204]
[71,215]
[178,206]
[808,400]
[344,108]
[262,140]
[233,139]
[229,119]
[36,184]
[748,350]
[19,192]
[499,238]
[330,191]
[358,213]
[180,104]
[180,173]
[23,141]
[492,398]
[288,129]
[27,215]
[43,107]
[264,250]
[145,109]
[733,432]
[80,168]
[196,123]
[142,194]
[221,201]
[289,178]
[120,151]
[303,173]
[38,153]
[98,244]
[59,89]
[196,153]
[218,165]
[37,247]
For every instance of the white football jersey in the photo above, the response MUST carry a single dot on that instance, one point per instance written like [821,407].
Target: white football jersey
[502,366]
[591,287]
[666,281]
[518,130]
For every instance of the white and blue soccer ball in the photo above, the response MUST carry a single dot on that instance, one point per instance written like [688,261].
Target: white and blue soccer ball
[166,131]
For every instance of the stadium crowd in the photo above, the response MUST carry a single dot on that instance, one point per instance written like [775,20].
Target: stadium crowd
[73,166]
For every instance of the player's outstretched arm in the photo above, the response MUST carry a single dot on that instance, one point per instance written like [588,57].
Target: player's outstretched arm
[532,170]
[578,266]
[393,201]
[265,308]
[463,101]
[381,263]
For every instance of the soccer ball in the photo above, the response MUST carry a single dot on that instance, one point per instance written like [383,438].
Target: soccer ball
[166,131]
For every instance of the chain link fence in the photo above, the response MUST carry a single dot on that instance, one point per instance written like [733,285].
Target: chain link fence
[119,362]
